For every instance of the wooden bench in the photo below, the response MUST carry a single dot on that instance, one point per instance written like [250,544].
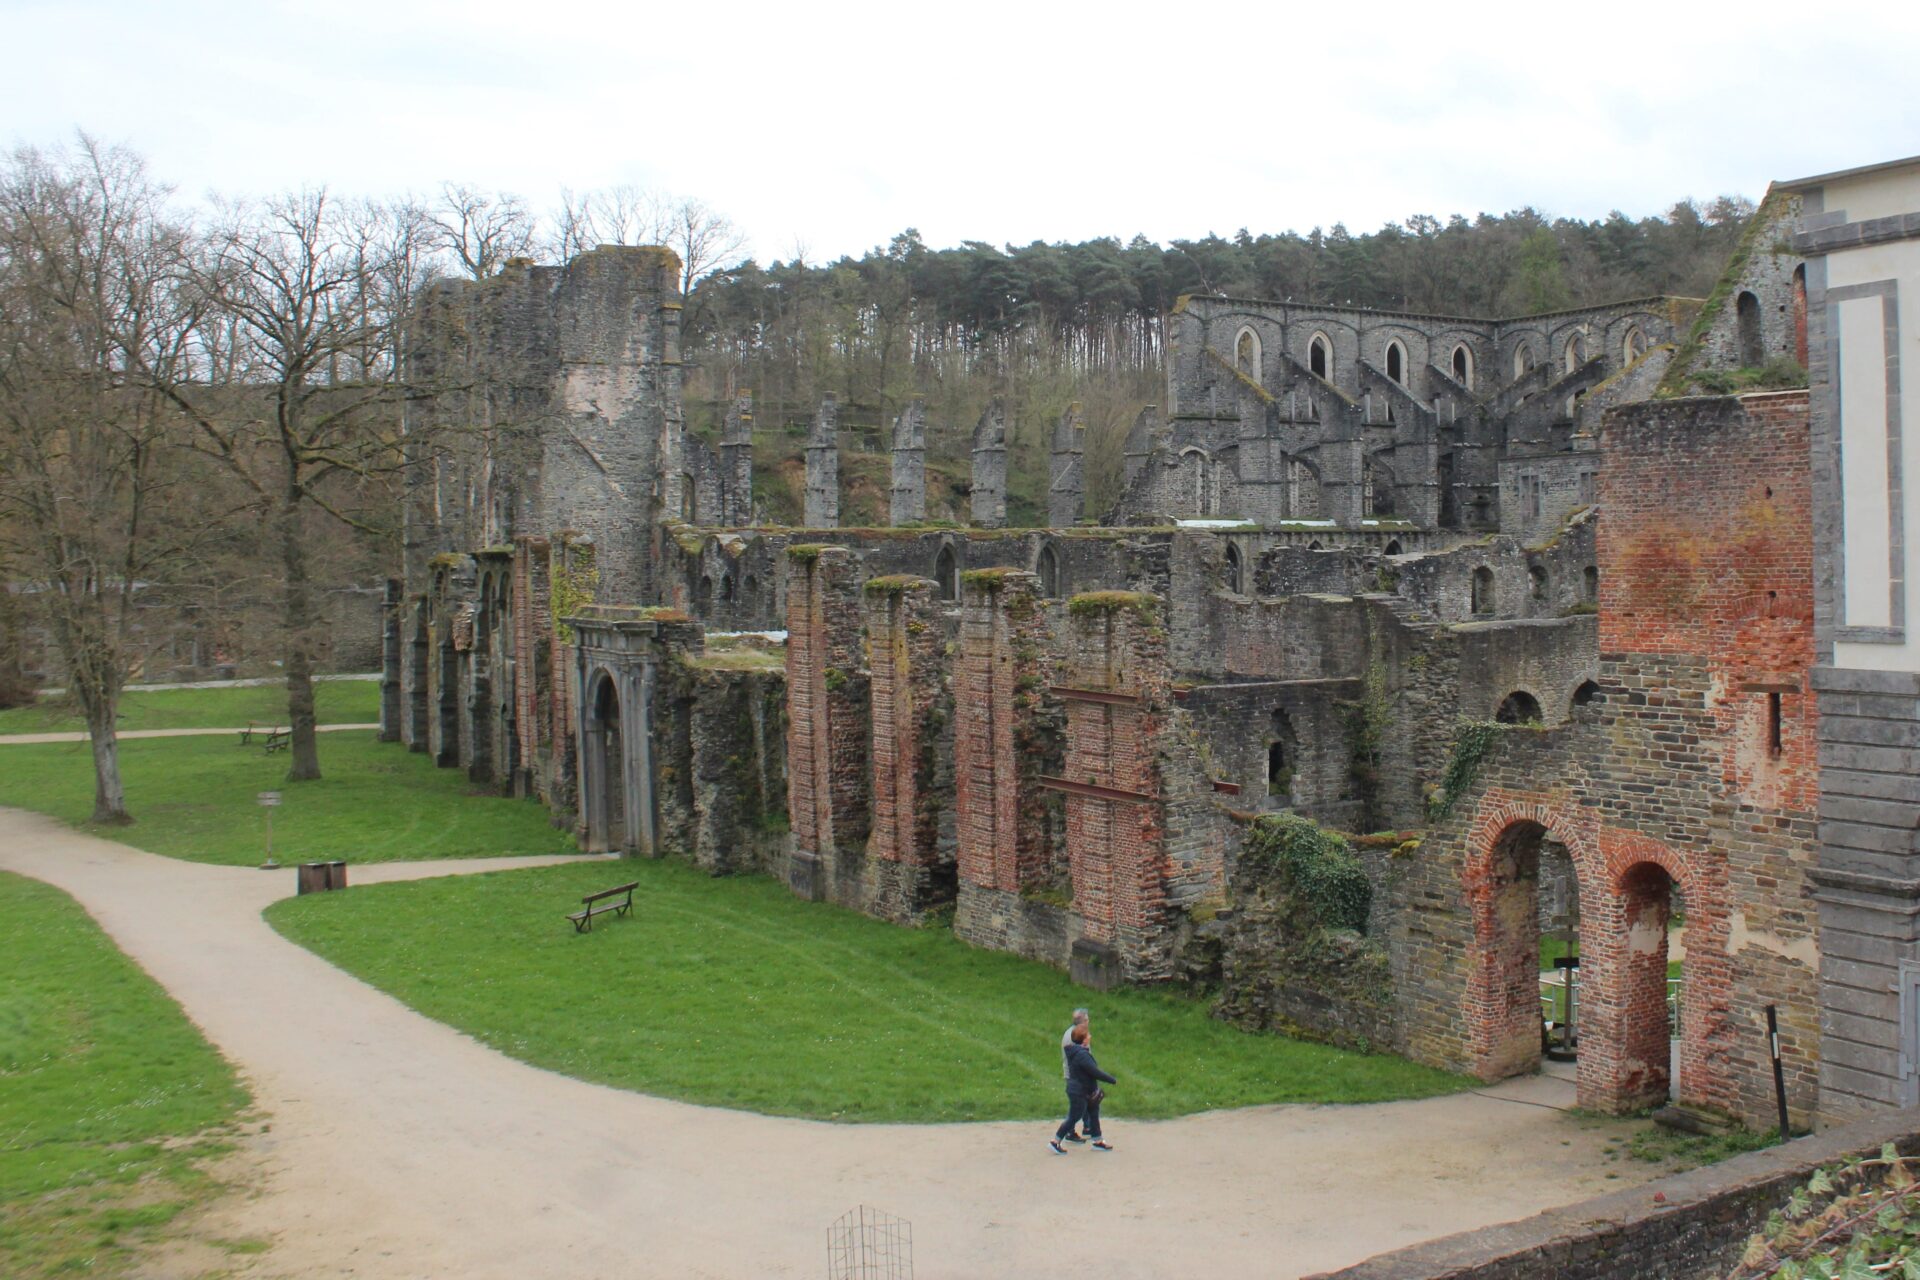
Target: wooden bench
[598,904]
[272,737]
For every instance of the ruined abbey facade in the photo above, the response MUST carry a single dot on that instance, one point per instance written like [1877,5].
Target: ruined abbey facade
[1463,588]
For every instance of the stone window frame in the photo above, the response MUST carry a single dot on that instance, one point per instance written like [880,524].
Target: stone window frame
[1523,361]
[1395,347]
[1460,364]
[1632,338]
[1255,365]
[1888,291]
[1322,342]
[1749,329]
[1483,598]
[1573,352]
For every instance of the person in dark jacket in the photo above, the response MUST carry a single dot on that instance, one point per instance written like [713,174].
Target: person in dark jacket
[1084,1078]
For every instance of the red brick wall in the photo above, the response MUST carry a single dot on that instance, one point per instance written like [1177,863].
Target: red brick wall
[1675,779]
[1117,849]
[1706,550]
[903,659]
[826,715]
[998,689]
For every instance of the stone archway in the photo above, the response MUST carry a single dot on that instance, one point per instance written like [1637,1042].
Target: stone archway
[1624,881]
[1626,979]
[604,779]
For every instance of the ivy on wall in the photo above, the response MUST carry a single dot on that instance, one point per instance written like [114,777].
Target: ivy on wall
[1313,865]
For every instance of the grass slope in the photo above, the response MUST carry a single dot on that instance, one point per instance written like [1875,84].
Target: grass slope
[335,701]
[194,798]
[109,1098]
[733,992]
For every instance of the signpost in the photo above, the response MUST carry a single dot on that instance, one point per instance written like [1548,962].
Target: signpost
[268,801]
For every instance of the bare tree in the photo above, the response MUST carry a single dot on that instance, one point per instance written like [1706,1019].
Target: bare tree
[705,240]
[311,289]
[482,231]
[88,509]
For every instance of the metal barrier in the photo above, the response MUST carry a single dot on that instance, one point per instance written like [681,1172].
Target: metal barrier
[867,1244]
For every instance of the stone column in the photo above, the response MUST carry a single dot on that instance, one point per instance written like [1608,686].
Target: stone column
[823,467]
[909,704]
[390,649]
[908,500]
[826,724]
[990,468]
[736,463]
[1067,486]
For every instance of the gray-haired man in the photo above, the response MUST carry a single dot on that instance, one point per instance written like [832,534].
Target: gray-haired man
[1066,1072]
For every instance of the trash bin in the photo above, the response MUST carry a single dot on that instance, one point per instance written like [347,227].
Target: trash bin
[336,875]
[313,877]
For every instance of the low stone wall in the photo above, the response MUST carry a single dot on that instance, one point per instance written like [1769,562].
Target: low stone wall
[1696,1230]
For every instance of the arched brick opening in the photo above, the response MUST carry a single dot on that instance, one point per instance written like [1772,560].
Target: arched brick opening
[1625,953]
[1502,881]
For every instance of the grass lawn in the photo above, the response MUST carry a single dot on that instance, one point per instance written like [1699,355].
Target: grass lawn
[735,993]
[110,1101]
[335,701]
[194,798]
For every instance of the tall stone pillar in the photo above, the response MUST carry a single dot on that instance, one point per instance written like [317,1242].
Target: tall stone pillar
[736,463]
[1118,690]
[391,618]
[1003,745]
[827,725]
[990,468]
[823,466]
[1067,485]
[908,499]
[909,701]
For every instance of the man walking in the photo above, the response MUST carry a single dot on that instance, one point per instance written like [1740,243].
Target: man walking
[1084,1093]
[1080,1019]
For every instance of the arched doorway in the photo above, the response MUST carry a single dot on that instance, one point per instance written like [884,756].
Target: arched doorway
[1648,1002]
[1505,1011]
[606,774]
[1235,579]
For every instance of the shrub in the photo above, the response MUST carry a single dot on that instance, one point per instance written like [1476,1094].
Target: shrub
[1318,868]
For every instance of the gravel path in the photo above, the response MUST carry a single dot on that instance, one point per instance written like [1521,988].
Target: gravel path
[398,1148]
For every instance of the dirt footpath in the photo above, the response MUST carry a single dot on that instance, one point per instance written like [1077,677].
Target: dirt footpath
[397,1148]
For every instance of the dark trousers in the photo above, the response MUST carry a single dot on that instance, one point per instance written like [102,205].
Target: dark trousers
[1080,1108]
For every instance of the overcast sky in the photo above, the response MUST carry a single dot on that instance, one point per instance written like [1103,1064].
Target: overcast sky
[829,127]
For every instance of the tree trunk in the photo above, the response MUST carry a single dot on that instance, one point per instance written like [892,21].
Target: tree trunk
[303,742]
[109,794]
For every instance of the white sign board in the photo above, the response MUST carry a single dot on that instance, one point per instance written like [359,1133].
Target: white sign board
[268,799]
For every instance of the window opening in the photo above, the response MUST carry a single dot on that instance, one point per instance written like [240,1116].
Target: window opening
[1773,725]
[1319,359]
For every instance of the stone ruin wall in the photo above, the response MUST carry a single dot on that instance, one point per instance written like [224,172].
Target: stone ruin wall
[951,731]
[1680,763]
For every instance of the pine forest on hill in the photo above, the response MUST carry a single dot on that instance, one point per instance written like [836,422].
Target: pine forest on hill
[1046,325]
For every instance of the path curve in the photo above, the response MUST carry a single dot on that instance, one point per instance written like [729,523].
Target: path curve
[399,1148]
